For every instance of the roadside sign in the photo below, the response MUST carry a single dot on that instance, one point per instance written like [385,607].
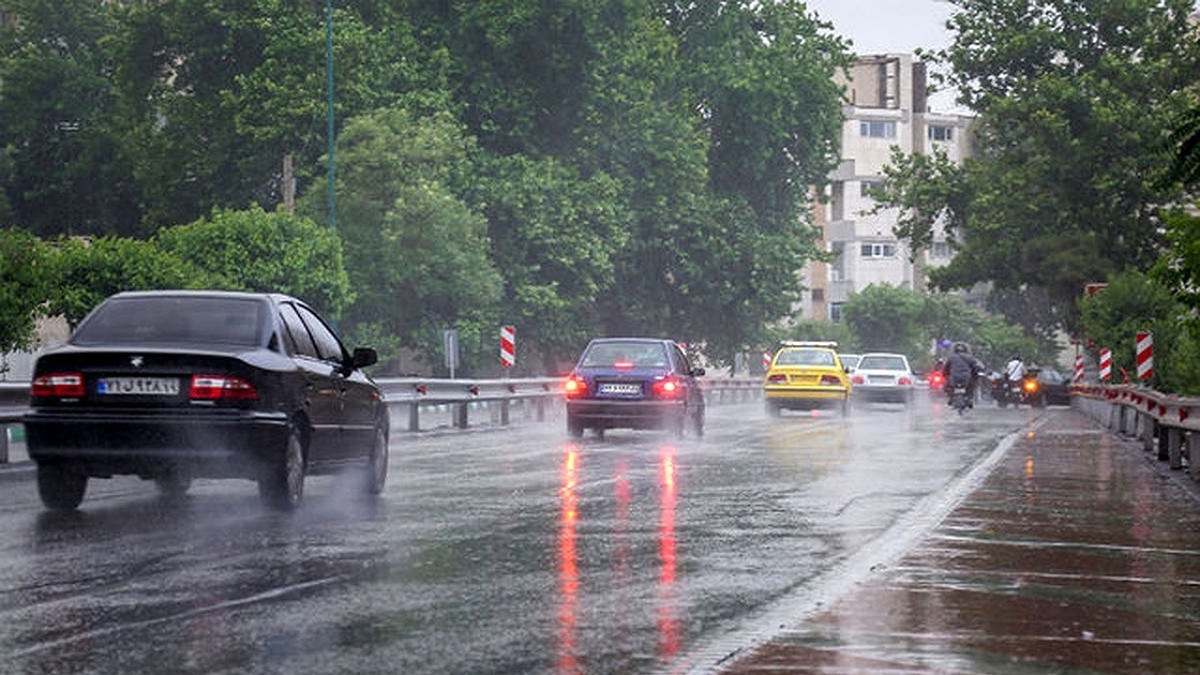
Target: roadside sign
[508,346]
[450,349]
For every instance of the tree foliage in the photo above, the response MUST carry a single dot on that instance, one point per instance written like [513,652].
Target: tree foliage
[417,254]
[24,286]
[1135,302]
[611,166]
[253,250]
[85,271]
[1073,102]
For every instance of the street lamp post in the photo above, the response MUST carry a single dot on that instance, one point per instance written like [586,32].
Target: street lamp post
[329,110]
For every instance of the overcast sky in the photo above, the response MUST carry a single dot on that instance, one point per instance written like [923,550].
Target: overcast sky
[887,26]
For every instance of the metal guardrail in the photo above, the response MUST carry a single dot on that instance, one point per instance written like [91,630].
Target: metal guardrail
[1164,423]
[457,401]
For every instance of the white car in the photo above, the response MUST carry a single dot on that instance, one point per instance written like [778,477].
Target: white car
[883,376]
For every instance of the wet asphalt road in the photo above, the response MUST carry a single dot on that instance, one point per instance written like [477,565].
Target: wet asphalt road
[492,551]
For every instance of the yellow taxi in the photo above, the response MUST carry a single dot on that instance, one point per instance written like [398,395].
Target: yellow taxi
[804,376]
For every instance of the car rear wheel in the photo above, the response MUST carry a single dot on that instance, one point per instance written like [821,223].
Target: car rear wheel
[574,427]
[281,485]
[377,468]
[60,488]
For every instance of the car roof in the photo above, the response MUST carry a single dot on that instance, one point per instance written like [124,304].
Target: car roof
[199,293]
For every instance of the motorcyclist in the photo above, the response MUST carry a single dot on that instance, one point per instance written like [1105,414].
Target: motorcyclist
[1014,372]
[962,368]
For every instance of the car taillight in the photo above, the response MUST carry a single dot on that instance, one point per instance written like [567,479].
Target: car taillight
[777,378]
[905,380]
[858,379]
[623,365]
[667,388]
[58,385]
[220,387]
[830,380]
[575,387]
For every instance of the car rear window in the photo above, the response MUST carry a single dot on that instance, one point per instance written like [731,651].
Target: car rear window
[174,319]
[804,357]
[882,363]
[636,354]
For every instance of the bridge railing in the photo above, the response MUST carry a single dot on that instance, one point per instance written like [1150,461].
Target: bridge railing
[1165,424]
[418,404]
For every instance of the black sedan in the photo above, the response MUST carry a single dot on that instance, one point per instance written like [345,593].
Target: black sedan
[634,383]
[176,385]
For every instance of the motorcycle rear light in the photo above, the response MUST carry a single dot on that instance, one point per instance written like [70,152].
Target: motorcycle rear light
[58,385]
[1031,386]
[575,387]
[221,387]
[667,388]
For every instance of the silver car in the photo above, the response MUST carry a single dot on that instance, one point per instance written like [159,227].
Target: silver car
[883,377]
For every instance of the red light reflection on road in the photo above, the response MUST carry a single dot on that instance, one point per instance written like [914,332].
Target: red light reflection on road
[668,623]
[568,572]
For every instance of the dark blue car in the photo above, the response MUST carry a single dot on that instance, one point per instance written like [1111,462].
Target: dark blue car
[634,383]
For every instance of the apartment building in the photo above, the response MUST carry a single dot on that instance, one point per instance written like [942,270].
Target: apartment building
[887,106]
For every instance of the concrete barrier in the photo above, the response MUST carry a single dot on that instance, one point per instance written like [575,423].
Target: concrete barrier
[1165,424]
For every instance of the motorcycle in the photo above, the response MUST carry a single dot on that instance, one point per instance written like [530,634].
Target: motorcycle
[960,399]
[1027,390]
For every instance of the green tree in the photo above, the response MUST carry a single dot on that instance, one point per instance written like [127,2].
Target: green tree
[887,318]
[1135,302]
[65,167]
[25,281]
[86,271]
[416,254]
[253,250]
[1073,100]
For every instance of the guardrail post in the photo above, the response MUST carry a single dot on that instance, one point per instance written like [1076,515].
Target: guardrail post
[504,412]
[3,444]
[1147,431]
[460,415]
[1193,452]
[1163,440]
[414,416]
[1175,447]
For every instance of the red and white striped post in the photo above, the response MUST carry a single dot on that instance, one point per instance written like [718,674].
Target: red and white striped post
[1105,365]
[508,346]
[1145,356]
[766,361]
[1078,379]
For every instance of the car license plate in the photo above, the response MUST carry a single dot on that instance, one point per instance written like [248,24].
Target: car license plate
[138,386]
[610,388]
[881,379]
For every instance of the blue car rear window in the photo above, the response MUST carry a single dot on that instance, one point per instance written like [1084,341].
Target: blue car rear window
[626,354]
[174,319]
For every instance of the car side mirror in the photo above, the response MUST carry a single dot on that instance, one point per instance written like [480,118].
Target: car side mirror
[363,357]
[697,372]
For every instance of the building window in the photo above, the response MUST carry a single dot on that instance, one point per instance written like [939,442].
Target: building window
[941,249]
[941,132]
[835,311]
[871,129]
[818,295]
[878,250]
[866,186]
